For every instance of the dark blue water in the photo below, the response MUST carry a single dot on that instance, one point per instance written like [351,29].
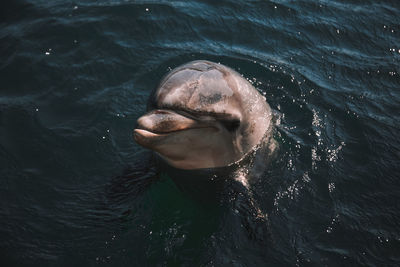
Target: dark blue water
[75,190]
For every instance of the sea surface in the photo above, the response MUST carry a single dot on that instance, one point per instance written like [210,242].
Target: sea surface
[76,190]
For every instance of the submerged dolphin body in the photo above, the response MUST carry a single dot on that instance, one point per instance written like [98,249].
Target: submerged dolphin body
[205,115]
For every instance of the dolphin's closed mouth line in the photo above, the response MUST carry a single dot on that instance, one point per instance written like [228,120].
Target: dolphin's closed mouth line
[161,133]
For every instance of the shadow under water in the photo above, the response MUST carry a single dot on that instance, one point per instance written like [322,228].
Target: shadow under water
[208,203]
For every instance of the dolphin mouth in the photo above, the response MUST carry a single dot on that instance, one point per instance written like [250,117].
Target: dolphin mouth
[159,124]
[165,133]
[142,136]
[153,134]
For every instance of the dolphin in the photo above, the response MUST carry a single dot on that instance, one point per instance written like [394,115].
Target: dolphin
[205,115]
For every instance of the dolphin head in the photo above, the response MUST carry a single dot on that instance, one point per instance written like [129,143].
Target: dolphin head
[205,115]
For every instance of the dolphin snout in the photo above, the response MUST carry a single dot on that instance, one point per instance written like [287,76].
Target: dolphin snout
[164,121]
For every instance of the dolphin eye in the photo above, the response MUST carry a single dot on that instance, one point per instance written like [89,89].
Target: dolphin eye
[231,125]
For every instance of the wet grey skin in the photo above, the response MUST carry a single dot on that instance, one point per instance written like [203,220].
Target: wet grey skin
[207,115]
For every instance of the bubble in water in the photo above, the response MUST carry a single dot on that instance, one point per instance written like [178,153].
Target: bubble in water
[314,158]
[306,177]
[316,120]
[332,154]
[331,187]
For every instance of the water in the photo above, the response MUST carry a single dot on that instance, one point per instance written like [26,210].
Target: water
[76,190]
